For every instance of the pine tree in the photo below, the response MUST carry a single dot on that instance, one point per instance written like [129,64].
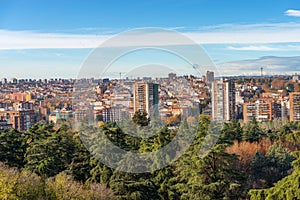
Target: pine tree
[287,188]
[12,147]
[253,133]
[52,153]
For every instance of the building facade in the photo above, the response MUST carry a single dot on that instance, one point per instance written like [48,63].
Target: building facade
[145,97]
[295,106]
[20,119]
[223,100]
[5,125]
[210,76]
[259,110]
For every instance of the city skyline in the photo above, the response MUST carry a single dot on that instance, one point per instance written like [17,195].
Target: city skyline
[158,99]
[43,43]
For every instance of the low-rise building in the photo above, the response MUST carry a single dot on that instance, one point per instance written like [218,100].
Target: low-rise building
[4,125]
[21,119]
[261,111]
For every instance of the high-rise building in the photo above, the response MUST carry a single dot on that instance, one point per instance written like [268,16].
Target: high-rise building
[223,100]
[296,77]
[210,77]
[4,81]
[285,109]
[145,96]
[295,106]
[14,80]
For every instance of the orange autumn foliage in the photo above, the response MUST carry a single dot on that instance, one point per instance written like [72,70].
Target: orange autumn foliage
[246,150]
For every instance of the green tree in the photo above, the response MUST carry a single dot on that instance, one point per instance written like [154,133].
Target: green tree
[140,117]
[276,161]
[20,185]
[160,178]
[287,188]
[212,176]
[279,160]
[25,185]
[258,164]
[252,132]
[290,87]
[80,165]
[51,154]
[130,186]
[12,147]
[99,173]
[231,131]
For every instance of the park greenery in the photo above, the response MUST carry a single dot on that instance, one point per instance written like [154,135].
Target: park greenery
[257,160]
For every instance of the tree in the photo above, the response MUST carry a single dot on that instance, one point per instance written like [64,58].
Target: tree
[160,178]
[51,155]
[253,132]
[279,162]
[276,161]
[29,186]
[25,185]
[20,185]
[99,173]
[140,118]
[258,165]
[287,188]
[80,165]
[290,87]
[231,131]
[212,176]
[130,186]
[12,147]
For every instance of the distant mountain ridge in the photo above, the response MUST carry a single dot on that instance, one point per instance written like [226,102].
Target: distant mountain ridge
[271,65]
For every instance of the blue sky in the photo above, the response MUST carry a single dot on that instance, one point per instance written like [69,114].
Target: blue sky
[56,15]
[53,38]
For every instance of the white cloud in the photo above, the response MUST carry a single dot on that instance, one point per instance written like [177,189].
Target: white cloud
[33,40]
[248,34]
[253,48]
[219,34]
[293,13]
[273,47]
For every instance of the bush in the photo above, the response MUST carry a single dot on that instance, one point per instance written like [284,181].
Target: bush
[19,185]
[25,185]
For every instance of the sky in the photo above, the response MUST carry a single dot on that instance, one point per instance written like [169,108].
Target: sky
[48,39]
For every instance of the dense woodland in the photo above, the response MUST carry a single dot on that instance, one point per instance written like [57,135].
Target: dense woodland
[250,161]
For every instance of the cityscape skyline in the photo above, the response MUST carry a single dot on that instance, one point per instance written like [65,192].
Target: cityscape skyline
[158,99]
[25,102]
